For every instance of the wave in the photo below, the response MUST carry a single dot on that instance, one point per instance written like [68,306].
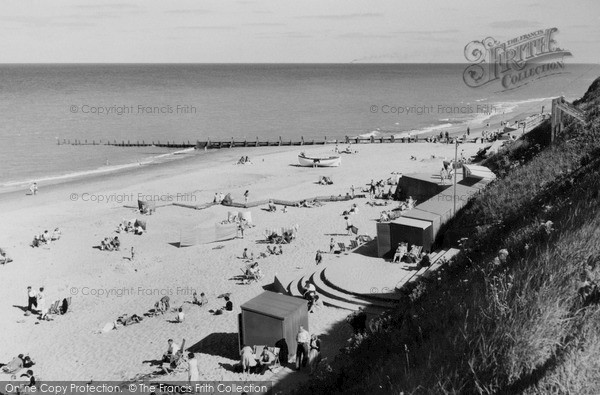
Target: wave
[374,133]
[97,171]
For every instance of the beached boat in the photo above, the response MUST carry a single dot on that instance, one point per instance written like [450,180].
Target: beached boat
[331,161]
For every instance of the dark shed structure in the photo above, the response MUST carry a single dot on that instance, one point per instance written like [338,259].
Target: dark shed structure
[271,317]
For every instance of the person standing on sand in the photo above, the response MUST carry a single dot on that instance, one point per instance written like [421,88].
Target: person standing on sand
[33,188]
[371,189]
[193,373]
[246,194]
[41,302]
[331,246]
[352,191]
[303,340]
[31,299]
[132,254]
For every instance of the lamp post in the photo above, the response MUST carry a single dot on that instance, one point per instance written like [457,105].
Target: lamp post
[455,170]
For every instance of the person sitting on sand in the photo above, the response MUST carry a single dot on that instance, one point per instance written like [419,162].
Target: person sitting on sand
[165,302]
[266,359]
[172,350]
[16,364]
[116,243]
[271,251]
[4,258]
[203,301]
[306,203]
[56,234]
[46,238]
[29,377]
[384,217]
[245,253]
[106,244]
[138,230]
[254,271]
[227,308]
[180,315]
[272,206]
[36,241]
[247,358]
[126,319]
[280,250]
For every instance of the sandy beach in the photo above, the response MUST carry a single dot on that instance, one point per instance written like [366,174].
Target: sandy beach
[104,285]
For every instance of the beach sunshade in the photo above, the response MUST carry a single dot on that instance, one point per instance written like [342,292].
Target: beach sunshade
[145,205]
[218,232]
[227,200]
[187,237]
[246,215]
[232,216]
[140,222]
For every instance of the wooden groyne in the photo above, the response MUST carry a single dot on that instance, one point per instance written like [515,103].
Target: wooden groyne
[527,124]
[232,143]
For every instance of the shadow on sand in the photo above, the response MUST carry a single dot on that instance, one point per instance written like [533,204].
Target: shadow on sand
[218,344]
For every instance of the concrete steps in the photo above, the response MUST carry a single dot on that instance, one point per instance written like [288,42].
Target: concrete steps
[296,289]
[332,295]
[324,289]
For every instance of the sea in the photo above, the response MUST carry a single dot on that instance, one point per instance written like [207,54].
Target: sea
[44,104]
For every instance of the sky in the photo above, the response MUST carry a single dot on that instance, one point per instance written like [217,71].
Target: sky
[282,31]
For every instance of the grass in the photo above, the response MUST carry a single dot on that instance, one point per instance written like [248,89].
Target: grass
[517,327]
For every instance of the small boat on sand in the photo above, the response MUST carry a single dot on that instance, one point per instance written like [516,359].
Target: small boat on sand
[331,161]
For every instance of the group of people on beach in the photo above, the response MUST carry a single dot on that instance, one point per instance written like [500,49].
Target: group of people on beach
[36,302]
[108,244]
[308,350]
[20,381]
[132,226]
[46,238]
[243,160]
[377,189]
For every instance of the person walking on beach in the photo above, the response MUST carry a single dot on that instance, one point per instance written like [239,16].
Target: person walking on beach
[246,194]
[318,257]
[31,299]
[132,254]
[352,191]
[348,225]
[331,246]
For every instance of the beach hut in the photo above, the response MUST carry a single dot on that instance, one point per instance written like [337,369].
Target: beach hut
[421,186]
[384,243]
[477,172]
[435,219]
[443,203]
[412,231]
[272,318]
